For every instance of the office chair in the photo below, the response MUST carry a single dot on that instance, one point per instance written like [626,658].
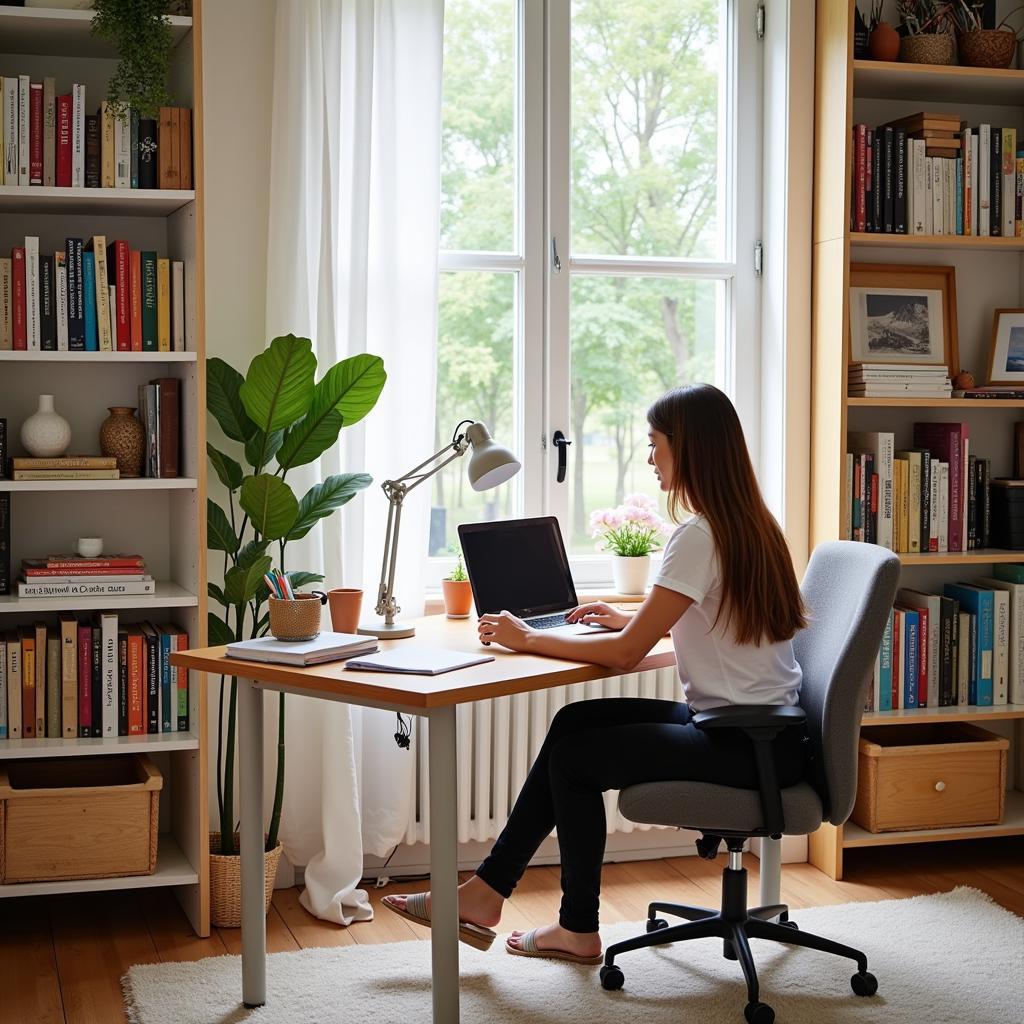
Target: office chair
[848,589]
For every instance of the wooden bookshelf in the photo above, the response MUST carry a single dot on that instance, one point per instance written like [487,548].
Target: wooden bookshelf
[990,275]
[162,519]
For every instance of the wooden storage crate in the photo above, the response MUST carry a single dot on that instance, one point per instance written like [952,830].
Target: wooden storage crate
[930,776]
[78,817]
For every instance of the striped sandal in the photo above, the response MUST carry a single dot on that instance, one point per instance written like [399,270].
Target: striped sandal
[416,910]
[528,947]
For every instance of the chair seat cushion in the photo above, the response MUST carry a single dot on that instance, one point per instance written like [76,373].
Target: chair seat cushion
[707,807]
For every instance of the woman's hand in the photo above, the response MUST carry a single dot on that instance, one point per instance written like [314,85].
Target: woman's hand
[598,613]
[505,629]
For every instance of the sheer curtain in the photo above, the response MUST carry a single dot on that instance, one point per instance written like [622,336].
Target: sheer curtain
[352,264]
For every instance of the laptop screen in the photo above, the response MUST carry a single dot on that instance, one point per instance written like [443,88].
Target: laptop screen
[518,565]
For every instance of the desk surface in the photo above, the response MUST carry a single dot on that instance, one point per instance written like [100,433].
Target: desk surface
[510,672]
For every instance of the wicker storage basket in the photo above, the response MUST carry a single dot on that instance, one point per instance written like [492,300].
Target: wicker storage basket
[928,48]
[226,883]
[929,776]
[295,620]
[987,48]
[78,817]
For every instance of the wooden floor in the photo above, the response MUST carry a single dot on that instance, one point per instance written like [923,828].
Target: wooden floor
[62,957]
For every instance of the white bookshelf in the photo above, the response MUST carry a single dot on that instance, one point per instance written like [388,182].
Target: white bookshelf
[164,520]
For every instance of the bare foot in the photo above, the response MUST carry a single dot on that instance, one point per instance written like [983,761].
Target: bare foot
[478,903]
[554,936]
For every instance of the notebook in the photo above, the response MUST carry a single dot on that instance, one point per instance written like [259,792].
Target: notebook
[421,661]
[326,647]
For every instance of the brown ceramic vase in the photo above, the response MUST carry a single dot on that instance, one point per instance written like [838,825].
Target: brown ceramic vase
[122,437]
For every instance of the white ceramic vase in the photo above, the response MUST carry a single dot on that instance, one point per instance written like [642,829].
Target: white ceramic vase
[46,434]
[629,573]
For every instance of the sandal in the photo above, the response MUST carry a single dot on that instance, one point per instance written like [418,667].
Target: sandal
[528,947]
[416,910]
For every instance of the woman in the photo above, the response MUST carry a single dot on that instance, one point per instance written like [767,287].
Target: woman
[727,592]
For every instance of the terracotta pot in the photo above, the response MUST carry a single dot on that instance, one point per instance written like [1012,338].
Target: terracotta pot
[928,48]
[458,598]
[346,603]
[884,42]
[987,47]
[226,882]
[122,437]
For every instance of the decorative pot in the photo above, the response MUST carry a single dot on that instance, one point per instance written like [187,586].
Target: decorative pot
[346,603]
[226,882]
[122,438]
[928,48]
[630,573]
[46,434]
[987,47]
[297,619]
[884,42]
[458,598]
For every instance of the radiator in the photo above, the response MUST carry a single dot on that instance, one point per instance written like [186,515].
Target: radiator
[497,743]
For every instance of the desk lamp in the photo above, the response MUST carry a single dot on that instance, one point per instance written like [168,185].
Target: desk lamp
[489,465]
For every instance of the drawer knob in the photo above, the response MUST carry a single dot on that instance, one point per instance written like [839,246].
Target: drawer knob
[939,786]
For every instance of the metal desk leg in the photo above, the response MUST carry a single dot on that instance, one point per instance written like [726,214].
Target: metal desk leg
[444,879]
[250,770]
[771,871]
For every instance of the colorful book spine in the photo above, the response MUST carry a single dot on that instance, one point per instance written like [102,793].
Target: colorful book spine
[91,328]
[885,668]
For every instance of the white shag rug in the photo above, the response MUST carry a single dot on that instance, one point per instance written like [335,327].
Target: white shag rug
[954,957]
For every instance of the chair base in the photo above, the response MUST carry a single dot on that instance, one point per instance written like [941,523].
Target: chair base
[735,925]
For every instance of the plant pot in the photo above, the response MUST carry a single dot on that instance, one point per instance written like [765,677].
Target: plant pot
[122,438]
[46,434]
[458,598]
[346,603]
[928,48]
[226,882]
[884,42]
[987,47]
[629,573]
[295,620]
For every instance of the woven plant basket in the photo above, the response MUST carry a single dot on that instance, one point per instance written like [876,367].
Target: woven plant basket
[987,48]
[928,48]
[295,620]
[226,883]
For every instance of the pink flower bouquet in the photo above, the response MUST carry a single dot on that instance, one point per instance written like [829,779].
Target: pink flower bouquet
[631,530]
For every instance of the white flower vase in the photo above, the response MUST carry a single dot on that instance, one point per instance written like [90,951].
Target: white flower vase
[629,573]
[46,434]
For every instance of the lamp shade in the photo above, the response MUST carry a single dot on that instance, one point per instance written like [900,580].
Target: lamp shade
[491,463]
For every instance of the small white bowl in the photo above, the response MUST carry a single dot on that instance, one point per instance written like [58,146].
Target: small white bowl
[89,547]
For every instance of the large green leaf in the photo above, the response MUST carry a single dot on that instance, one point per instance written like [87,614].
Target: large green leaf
[261,448]
[217,631]
[229,471]
[270,504]
[219,534]
[216,593]
[251,552]
[323,498]
[241,585]
[279,385]
[347,392]
[223,384]
[303,579]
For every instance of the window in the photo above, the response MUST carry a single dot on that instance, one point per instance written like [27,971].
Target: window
[599,215]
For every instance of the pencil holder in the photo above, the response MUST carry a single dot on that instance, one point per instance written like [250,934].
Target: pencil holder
[298,619]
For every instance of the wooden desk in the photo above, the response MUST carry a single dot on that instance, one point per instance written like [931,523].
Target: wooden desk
[435,698]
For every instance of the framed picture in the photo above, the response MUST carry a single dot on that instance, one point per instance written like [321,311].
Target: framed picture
[903,314]
[1006,354]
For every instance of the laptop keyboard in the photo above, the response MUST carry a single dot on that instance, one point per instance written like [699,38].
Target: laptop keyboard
[547,621]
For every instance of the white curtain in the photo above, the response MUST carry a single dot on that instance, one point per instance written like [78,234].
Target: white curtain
[353,240]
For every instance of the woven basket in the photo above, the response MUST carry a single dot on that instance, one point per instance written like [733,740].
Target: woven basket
[987,48]
[927,48]
[226,883]
[295,620]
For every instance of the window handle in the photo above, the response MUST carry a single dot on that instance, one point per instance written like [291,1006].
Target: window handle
[560,441]
[556,262]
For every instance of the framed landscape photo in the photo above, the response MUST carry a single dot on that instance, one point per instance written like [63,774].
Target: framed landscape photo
[903,314]
[1006,354]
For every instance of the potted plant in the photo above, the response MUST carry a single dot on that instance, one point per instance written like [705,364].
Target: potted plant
[630,532]
[883,39]
[280,418]
[982,47]
[927,31]
[458,594]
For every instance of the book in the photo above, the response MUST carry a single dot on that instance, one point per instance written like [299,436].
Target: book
[64,462]
[14,697]
[19,313]
[425,661]
[167,145]
[65,108]
[929,609]
[138,671]
[979,603]
[151,637]
[84,679]
[75,294]
[163,305]
[119,275]
[91,160]
[178,332]
[35,136]
[79,562]
[92,588]
[66,474]
[28,681]
[148,152]
[90,326]
[49,132]
[122,682]
[881,445]
[326,647]
[10,130]
[168,424]
[5,543]
[179,678]
[6,304]
[39,628]
[135,284]
[47,305]
[32,291]
[147,261]
[69,675]
[133,176]
[109,667]
[184,148]
[60,283]
[122,149]
[24,122]
[53,685]
[3,686]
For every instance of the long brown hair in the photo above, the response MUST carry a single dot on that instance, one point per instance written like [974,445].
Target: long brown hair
[713,476]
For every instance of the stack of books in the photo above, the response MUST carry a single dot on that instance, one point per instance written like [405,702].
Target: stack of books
[67,467]
[74,576]
[898,380]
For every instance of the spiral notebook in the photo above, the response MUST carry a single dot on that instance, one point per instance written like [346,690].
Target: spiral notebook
[420,661]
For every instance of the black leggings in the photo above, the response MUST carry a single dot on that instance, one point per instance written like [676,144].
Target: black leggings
[611,743]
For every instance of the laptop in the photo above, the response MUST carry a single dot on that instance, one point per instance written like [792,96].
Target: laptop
[520,565]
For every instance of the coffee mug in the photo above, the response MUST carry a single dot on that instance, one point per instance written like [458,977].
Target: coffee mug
[89,547]
[345,603]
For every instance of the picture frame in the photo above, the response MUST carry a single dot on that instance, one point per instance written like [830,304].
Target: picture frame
[1006,351]
[905,314]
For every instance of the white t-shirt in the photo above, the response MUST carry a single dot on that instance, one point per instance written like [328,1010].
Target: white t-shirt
[713,668]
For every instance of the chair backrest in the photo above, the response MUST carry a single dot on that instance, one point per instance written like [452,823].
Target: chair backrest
[849,588]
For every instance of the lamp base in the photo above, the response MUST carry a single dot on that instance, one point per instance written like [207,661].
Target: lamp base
[379,628]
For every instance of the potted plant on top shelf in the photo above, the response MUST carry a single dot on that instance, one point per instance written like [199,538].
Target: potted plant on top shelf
[281,419]
[927,28]
[984,47]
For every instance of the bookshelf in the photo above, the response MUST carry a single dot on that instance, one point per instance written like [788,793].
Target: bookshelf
[162,519]
[990,274]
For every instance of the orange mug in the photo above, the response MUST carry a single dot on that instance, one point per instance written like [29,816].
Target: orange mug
[345,604]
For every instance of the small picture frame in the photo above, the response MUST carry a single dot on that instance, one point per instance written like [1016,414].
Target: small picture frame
[903,314]
[1006,353]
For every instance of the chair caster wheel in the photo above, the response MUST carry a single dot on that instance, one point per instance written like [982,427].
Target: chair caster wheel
[864,983]
[611,978]
[656,924]
[759,1013]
